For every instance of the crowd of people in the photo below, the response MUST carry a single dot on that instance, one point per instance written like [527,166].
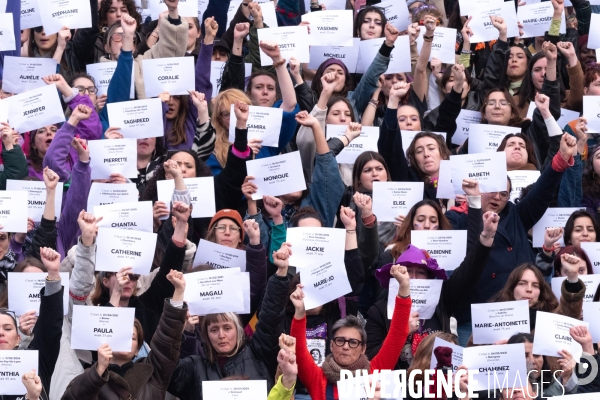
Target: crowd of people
[301,353]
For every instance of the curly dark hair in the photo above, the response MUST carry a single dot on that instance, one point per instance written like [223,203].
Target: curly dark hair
[131,10]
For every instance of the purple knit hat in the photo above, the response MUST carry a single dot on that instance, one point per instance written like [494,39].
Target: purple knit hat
[335,61]
[412,256]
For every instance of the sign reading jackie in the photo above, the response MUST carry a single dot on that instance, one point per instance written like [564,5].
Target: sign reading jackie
[135,216]
[13,365]
[219,257]
[37,197]
[36,108]
[263,123]
[95,326]
[108,193]
[202,194]
[506,363]
[118,248]
[277,175]
[391,199]
[313,244]
[498,321]
[13,216]
[24,291]
[137,119]
[323,282]
[22,74]
[58,13]
[113,157]
[449,248]
[174,75]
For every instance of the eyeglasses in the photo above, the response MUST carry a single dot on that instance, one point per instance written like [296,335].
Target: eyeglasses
[117,37]
[340,342]
[501,103]
[89,89]
[437,22]
[225,115]
[223,228]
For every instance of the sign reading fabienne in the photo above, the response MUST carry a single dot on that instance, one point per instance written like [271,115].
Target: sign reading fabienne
[13,364]
[315,244]
[219,257]
[489,169]
[496,362]
[95,326]
[137,119]
[498,321]
[13,216]
[277,175]
[118,248]
[449,248]
[24,291]
[36,201]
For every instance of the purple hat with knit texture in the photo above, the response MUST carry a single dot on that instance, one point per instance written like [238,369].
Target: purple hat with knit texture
[412,256]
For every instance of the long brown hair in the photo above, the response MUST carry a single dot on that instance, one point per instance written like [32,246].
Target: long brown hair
[412,159]
[360,163]
[422,358]
[225,98]
[176,134]
[546,301]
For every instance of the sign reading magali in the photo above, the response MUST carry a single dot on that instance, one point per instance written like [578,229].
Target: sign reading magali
[13,364]
[95,326]
[215,291]
[55,14]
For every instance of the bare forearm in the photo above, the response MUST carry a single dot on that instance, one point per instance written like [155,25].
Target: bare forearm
[286,85]
[49,206]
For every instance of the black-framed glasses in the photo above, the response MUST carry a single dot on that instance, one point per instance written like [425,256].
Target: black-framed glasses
[89,89]
[340,342]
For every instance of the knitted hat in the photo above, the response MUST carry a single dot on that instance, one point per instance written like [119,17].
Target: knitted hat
[412,256]
[443,355]
[335,61]
[232,215]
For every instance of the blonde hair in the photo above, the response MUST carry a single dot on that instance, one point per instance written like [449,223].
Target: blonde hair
[224,100]
[209,319]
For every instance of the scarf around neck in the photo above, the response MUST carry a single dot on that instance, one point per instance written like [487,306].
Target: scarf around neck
[514,87]
[331,369]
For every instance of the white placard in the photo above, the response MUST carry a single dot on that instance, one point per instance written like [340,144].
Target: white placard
[409,136]
[591,310]
[202,194]
[74,14]
[185,8]
[485,138]
[37,197]
[313,244]
[174,75]
[13,216]
[442,46]
[202,6]
[18,362]
[424,293]
[24,291]
[470,7]
[536,19]
[554,217]
[268,12]
[463,123]
[95,326]
[30,14]
[391,199]
[323,282]
[7,32]
[136,216]
[552,335]
[263,123]
[396,13]
[591,283]
[216,73]
[506,363]
[4,110]
[277,175]
[109,193]
[330,28]
[137,119]
[118,248]
[113,157]
[219,257]
[103,73]
[594,35]
[35,108]
[445,189]
[449,248]
[233,7]
[292,40]
[592,249]
[399,62]
[457,354]
[493,322]
[215,291]
[22,74]
[566,116]
[520,180]
[488,169]
[234,390]
[482,27]
[332,4]
[346,54]
[366,141]
[591,111]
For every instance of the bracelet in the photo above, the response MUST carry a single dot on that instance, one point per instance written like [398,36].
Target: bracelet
[486,237]
[550,250]
[52,280]
[466,52]
[350,231]
[428,38]
[279,63]
[373,102]
[347,138]
[404,297]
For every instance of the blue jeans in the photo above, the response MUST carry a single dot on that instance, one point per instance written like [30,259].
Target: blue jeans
[302,397]
[464,333]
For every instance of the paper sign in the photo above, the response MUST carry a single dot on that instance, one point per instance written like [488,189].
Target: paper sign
[118,248]
[135,216]
[216,73]
[463,123]
[16,363]
[13,216]
[234,390]
[138,119]
[506,363]
[409,136]
[323,282]
[442,46]
[425,295]
[37,197]
[7,32]
[113,157]
[488,169]
[493,322]
[536,19]
[202,194]
[277,175]
[591,111]
[591,283]
[566,116]
[485,138]
[73,14]
[95,326]
[263,123]
[457,354]
[391,199]
[219,257]
[552,335]
[22,74]
[293,41]
[103,73]
[234,5]
[4,110]
[449,248]
[212,292]
[594,35]
[109,193]
[520,180]
[24,291]
[174,75]
[445,189]
[202,6]
[315,244]
[36,108]
[333,4]
[268,12]
[399,62]
[185,8]
[470,7]
[30,14]
[396,13]
[592,249]
[366,141]
[330,28]
[555,217]
[482,27]
[591,310]
[346,54]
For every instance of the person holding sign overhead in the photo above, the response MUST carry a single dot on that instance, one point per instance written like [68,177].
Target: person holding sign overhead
[13,158]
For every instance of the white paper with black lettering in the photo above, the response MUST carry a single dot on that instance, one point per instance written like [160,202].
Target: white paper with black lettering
[30,14]
[13,216]
[16,363]
[263,123]
[234,390]
[268,12]
[591,310]
[536,19]
[520,180]
[55,14]
[118,248]
[463,123]
[470,7]
[215,291]
[445,189]
[219,257]
[22,74]
[391,199]
[216,73]
[109,193]
[346,54]
[591,111]
[442,46]
[185,8]
[552,335]
[36,200]
[202,5]
[489,169]
[457,354]
[396,13]
[485,138]
[313,244]
[330,28]
[113,157]
[24,291]
[366,141]
[233,7]
[323,282]
[4,110]
[202,194]
[7,32]
[409,136]
[594,35]
[554,217]
[591,283]
[277,175]
[566,116]
[399,62]
[499,362]
[493,322]
[35,108]
[292,40]
[424,293]
[592,249]
[137,119]
[103,73]
[449,248]
[135,216]
[482,27]
[174,75]
[95,326]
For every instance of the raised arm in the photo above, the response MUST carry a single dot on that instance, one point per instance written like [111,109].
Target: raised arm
[234,73]
[256,265]
[15,163]
[284,79]
[203,84]
[45,235]
[420,83]
[352,259]
[495,69]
